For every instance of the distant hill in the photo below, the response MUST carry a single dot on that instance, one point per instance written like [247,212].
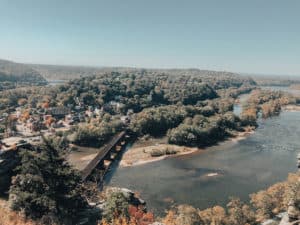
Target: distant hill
[39,74]
[56,72]
[12,72]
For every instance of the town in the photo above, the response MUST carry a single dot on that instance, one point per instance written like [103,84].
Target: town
[24,127]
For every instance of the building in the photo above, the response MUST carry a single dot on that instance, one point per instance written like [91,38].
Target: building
[58,112]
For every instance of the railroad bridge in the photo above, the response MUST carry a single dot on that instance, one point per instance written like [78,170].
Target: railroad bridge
[86,160]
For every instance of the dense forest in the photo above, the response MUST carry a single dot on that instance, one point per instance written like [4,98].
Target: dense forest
[193,110]
[133,90]
[158,101]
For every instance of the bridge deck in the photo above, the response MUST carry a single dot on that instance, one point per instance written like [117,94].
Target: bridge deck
[85,159]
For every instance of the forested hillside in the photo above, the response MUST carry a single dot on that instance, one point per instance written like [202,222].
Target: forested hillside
[17,74]
[189,108]
[59,72]
[159,101]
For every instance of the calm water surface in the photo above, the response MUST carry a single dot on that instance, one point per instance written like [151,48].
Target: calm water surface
[56,82]
[246,166]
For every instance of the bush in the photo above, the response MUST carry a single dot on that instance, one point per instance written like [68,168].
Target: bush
[116,206]
[171,151]
[157,152]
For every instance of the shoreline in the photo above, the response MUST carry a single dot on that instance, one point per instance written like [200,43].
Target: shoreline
[131,159]
[151,159]
[128,159]
[291,108]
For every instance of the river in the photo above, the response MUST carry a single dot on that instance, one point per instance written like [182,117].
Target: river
[56,82]
[244,167]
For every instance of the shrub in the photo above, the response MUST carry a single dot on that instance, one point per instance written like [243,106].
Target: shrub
[116,206]
[157,152]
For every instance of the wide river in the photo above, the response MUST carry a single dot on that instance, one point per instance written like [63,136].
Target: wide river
[245,166]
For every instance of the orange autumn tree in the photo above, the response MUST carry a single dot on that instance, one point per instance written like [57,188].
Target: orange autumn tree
[22,101]
[25,116]
[216,215]
[139,217]
[249,116]
[170,218]
[45,105]
[270,108]
[49,121]
[8,217]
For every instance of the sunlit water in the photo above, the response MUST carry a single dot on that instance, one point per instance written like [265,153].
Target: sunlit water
[244,167]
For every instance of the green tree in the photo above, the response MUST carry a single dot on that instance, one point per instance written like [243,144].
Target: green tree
[116,206]
[46,186]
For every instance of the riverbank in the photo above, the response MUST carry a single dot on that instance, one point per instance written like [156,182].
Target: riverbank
[291,108]
[243,167]
[152,150]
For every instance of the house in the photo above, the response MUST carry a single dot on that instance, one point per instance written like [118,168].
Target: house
[58,124]
[77,107]
[116,105]
[72,119]
[46,117]
[36,125]
[98,112]
[118,97]
[125,119]
[58,112]
[130,112]
[89,113]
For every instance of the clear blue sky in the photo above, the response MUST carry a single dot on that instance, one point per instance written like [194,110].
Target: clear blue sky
[261,36]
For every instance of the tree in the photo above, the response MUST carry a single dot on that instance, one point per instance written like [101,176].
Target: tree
[116,207]
[47,187]
[138,216]
[239,214]
[183,215]
[216,216]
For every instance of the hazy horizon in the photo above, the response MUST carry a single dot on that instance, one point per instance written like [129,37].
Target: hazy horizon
[245,37]
[158,68]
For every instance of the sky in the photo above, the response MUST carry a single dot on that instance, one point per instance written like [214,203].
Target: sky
[252,36]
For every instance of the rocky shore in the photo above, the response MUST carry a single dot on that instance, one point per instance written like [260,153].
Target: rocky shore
[292,214]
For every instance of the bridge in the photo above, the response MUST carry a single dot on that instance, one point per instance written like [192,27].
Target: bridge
[98,157]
